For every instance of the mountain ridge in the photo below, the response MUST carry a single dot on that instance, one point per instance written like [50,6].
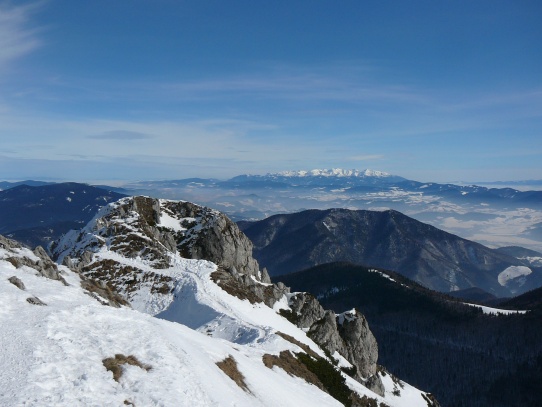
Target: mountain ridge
[386,239]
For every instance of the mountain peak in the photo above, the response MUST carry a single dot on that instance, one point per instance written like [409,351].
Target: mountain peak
[334,172]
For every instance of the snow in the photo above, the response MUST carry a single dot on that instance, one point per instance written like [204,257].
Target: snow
[512,273]
[170,222]
[495,311]
[347,315]
[55,354]
[334,172]
[382,274]
[401,393]
[341,361]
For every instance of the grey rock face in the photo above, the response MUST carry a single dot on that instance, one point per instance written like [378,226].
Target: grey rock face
[361,346]
[210,235]
[374,383]
[306,308]
[348,334]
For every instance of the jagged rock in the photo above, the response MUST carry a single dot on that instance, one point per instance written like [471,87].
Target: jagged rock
[35,301]
[306,309]
[218,239]
[132,227]
[361,345]
[265,276]
[44,265]
[351,338]
[17,283]
[348,334]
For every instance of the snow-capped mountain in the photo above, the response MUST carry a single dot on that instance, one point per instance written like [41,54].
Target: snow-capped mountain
[204,326]
[335,176]
[334,172]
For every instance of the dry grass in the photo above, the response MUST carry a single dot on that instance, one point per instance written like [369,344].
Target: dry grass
[291,365]
[229,366]
[102,290]
[291,339]
[114,364]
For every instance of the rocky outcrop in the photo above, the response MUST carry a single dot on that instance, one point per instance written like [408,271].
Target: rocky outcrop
[135,228]
[361,346]
[39,260]
[17,282]
[347,333]
[210,235]
[306,310]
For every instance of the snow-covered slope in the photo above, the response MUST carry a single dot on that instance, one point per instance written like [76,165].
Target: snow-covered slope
[53,354]
[189,341]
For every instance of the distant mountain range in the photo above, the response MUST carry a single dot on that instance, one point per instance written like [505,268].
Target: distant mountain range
[351,180]
[434,258]
[30,183]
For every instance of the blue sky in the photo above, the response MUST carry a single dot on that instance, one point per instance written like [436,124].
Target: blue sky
[168,89]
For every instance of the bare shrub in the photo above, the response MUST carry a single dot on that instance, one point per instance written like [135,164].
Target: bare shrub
[229,366]
[291,365]
[114,364]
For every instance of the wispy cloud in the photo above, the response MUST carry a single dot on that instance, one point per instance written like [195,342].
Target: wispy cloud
[17,38]
[120,135]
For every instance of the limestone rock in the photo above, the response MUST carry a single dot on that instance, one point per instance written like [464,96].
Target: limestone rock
[306,308]
[350,336]
[361,345]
